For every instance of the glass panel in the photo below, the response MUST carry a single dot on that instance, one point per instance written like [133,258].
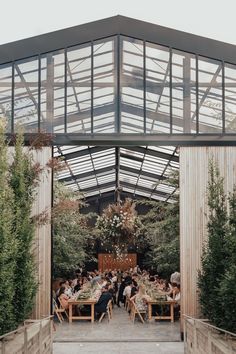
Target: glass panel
[230,98]
[5,94]
[157,89]
[183,92]
[26,94]
[52,117]
[79,89]
[210,96]
[104,74]
[132,102]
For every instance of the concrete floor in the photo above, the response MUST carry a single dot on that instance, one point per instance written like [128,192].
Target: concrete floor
[120,335]
[119,348]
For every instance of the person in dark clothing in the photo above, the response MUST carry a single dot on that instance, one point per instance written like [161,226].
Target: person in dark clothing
[128,278]
[78,285]
[101,305]
[134,288]
[120,297]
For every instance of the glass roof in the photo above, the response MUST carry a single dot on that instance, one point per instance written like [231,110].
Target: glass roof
[119,85]
[140,171]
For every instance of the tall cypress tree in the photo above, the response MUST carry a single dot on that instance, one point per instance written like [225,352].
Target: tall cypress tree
[227,290]
[23,175]
[214,257]
[8,243]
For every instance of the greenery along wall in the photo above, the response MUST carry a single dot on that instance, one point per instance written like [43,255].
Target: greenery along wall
[161,233]
[217,279]
[74,236]
[17,269]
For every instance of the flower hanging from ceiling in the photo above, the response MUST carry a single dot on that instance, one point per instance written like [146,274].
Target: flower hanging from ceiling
[119,226]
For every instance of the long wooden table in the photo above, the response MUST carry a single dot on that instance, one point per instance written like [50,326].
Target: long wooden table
[73,302]
[161,303]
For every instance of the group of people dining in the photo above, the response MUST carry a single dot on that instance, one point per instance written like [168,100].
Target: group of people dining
[138,286]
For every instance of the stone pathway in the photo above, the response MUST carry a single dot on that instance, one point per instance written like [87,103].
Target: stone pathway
[120,335]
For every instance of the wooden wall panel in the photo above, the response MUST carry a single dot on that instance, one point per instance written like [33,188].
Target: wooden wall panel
[193,212]
[110,261]
[42,245]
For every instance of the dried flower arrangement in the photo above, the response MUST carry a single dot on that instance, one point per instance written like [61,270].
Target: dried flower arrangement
[119,225]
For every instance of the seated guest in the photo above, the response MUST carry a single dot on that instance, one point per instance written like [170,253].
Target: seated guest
[127,290]
[127,277]
[175,278]
[104,280]
[175,289]
[68,287]
[134,288]
[176,297]
[141,298]
[78,285]
[101,305]
[96,278]
[97,294]
[111,289]
[162,284]
[176,293]
[62,283]
[63,298]
[75,278]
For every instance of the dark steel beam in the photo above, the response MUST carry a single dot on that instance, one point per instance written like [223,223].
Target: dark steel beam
[187,95]
[123,184]
[155,153]
[111,140]
[117,194]
[112,26]
[81,176]
[144,189]
[110,195]
[99,187]
[150,176]
[155,116]
[84,152]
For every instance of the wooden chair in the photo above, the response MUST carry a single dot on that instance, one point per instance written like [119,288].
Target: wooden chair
[62,308]
[134,311]
[127,303]
[58,311]
[108,312]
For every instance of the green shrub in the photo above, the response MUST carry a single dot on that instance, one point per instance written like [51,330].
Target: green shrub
[217,279]
[23,177]
[8,243]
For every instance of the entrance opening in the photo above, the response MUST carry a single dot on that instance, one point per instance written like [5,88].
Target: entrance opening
[135,183]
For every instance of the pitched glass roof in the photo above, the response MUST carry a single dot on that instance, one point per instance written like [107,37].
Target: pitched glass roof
[120,77]
[140,171]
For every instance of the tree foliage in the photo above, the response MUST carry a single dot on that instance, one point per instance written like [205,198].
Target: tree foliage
[73,237]
[17,272]
[217,279]
[214,256]
[227,290]
[161,229]
[23,179]
[8,243]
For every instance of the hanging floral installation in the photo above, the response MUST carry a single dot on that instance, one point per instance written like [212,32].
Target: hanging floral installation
[119,226]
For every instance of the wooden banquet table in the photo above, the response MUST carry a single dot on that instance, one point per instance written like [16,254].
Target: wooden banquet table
[161,303]
[73,302]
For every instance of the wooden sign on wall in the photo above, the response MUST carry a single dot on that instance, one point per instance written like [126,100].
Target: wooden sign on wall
[110,261]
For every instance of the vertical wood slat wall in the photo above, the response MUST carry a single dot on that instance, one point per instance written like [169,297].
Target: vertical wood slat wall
[193,213]
[42,245]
